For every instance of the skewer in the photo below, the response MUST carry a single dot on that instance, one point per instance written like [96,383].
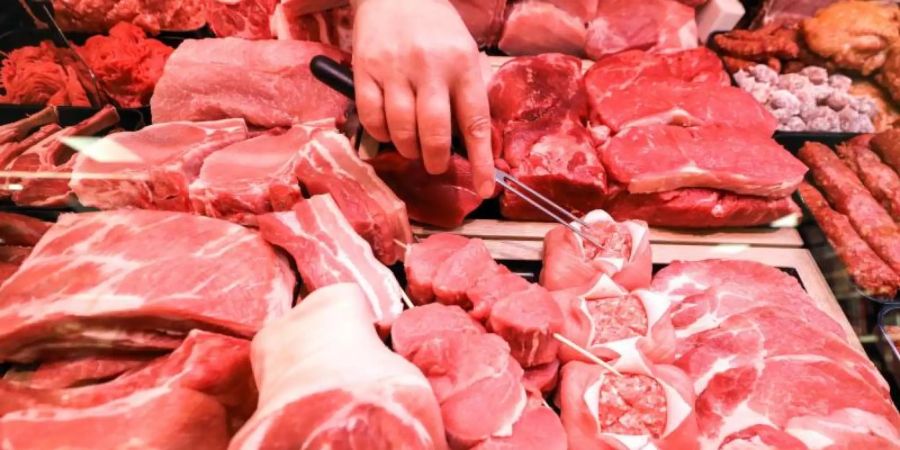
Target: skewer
[565,341]
[406,300]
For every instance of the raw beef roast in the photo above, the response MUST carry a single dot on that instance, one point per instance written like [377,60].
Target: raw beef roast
[152,167]
[128,263]
[657,25]
[325,356]
[268,83]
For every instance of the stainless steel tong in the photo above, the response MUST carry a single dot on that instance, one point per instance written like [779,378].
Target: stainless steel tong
[340,78]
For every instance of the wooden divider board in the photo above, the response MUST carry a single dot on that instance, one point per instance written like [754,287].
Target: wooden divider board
[535,231]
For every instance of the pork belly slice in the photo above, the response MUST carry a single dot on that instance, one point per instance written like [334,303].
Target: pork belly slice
[327,251]
[21,230]
[268,83]
[328,164]
[325,356]
[151,168]
[850,197]
[126,263]
[664,158]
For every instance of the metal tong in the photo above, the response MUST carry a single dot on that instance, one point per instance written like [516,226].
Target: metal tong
[340,78]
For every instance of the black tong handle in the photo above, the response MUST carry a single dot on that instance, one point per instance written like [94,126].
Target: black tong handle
[336,75]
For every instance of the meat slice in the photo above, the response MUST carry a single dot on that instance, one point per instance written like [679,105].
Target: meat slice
[267,83]
[250,177]
[571,262]
[489,290]
[583,9]
[52,156]
[325,356]
[151,168]
[528,321]
[483,18]
[700,208]
[332,26]
[17,229]
[460,271]
[235,282]
[848,195]
[20,129]
[542,379]
[77,371]
[881,180]
[172,418]
[248,19]
[647,406]
[327,164]
[423,260]
[887,145]
[534,27]
[327,251]
[620,71]
[11,150]
[663,158]
[440,200]
[866,268]
[658,25]
[14,254]
[417,326]
[539,428]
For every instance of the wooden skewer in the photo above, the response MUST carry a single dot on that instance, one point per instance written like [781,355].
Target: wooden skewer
[568,343]
[406,300]
[401,244]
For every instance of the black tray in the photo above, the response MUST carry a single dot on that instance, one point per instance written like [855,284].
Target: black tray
[794,140]
[889,315]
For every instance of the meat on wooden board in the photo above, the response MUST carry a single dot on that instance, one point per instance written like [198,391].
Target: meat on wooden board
[231,281]
[325,356]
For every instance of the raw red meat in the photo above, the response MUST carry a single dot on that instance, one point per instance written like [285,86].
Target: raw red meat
[327,251]
[97,16]
[10,151]
[848,195]
[583,9]
[416,326]
[483,18]
[248,19]
[572,263]
[13,254]
[51,155]
[423,260]
[789,11]
[268,83]
[881,180]
[78,371]
[491,289]
[127,63]
[700,208]
[657,25]
[664,158]
[869,272]
[534,27]
[20,129]
[208,363]
[476,381]
[176,419]
[235,282]
[539,428]
[325,356]
[328,164]
[887,145]
[41,75]
[460,271]
[440,200]
[647,407]
[7,270]
[622,70]
[152,167]
[333,26]
[17,229]
[527,320]
[250,177]
[542,379]
[680,279]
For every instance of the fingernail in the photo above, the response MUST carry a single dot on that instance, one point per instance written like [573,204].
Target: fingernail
[486,188]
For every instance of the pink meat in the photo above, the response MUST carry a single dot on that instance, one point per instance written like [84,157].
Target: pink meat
[657,25]
[542,379]
[16,229]
[534,27]
[248,19]
[491,289]
[483,18]
[423,260]
[14,254]
[79,371]
[539,428]
[461,271]
[527,320]
[415,327]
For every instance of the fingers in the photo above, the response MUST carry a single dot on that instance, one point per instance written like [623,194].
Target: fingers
[370,106]
[473,117]
[400,110]
[433,109]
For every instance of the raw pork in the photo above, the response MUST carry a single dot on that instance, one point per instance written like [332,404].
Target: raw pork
[97,16]
[534,27]
[663,158]
[10,151]
[268,83]
[648,406]
[325,356]
[333,26]
[157,273]
[539,428]
[78,371]
[171,418]
[440,200]
[328,164]
[248,19]
[476,381]
[483,18]
[423,260]
[250,177]
[327,251]
[151,168]
[700,208]
[20,129]
[528,321]
[570,262]
[16,229]
[657,25]
[416,326]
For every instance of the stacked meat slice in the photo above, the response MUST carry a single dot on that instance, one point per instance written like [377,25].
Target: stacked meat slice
[768,364]
[864,193]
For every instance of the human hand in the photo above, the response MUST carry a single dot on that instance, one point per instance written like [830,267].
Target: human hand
[415,67]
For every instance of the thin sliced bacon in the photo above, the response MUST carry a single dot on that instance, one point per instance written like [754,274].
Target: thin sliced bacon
[327,251]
